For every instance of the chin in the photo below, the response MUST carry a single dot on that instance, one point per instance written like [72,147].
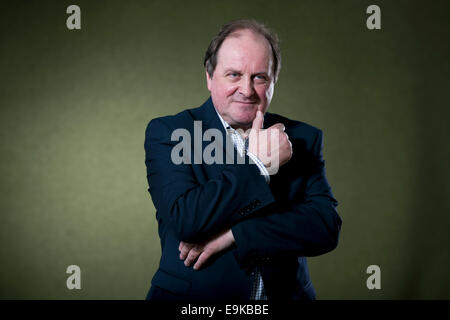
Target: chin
[247,112]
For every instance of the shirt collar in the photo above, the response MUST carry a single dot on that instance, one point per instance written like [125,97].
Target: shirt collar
[224,123]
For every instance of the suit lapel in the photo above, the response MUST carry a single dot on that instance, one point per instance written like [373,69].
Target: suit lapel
[209,117]
[210,120]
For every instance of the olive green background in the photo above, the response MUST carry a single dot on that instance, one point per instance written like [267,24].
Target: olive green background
[74,106]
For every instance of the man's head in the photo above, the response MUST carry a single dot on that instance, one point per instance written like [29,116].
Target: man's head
[242,65]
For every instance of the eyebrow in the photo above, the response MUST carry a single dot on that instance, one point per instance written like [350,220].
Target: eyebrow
[254,74]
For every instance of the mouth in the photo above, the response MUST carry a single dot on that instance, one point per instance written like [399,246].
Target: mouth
[246,102]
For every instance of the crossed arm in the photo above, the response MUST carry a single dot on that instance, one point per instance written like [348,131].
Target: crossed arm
[206,219]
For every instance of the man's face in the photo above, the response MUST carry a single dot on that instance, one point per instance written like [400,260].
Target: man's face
[243,80]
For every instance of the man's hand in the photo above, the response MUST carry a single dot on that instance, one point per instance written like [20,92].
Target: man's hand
[271,145]
[190,251]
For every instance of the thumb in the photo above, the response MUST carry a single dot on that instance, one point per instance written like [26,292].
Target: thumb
[258,121]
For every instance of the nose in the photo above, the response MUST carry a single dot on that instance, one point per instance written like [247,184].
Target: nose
[246,87]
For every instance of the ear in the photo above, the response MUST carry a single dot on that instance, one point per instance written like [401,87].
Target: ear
[208,81]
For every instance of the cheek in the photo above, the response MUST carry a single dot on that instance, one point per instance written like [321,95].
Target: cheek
[224,90]
[269,93]
[229,90]
[264,93]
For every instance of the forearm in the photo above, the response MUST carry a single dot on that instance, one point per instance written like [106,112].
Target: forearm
[203,210]
[303,230]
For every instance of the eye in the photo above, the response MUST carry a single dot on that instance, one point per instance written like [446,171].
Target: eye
[233,75]
[261,78]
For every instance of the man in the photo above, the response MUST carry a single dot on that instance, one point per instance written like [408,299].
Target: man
[239,229]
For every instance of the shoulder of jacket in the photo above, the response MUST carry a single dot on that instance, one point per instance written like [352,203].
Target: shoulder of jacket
[178,120]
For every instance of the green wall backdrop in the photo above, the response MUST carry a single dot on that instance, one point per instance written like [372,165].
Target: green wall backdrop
[74,106]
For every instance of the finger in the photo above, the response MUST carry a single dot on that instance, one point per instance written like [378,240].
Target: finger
[193,254]
[278,126]
[204,256]
[285,138]
[292,150]
[258,121]
[180,246]
[185,250]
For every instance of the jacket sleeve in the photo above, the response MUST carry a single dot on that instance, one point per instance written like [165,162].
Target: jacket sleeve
[307,226]
[196,211]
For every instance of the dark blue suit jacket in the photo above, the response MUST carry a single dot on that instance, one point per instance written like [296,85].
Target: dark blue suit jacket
[275,225]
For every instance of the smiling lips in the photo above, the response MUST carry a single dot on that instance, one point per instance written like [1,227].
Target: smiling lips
[246,102]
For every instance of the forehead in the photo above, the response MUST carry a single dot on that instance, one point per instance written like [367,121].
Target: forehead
[245,49]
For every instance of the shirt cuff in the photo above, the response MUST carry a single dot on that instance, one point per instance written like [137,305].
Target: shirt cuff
[260,166]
